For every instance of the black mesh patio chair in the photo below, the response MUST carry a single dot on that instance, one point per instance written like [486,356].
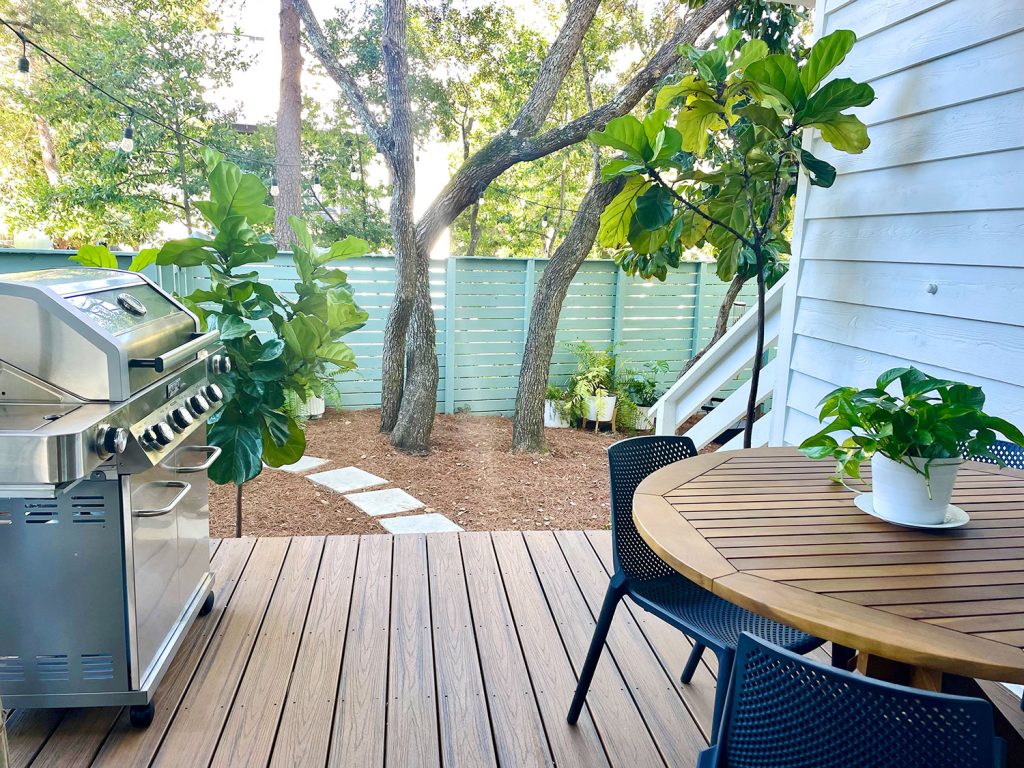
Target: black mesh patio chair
[653,585]
[786,711]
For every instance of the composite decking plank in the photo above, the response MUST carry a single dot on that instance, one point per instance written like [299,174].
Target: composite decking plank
[126,745]
[656,695]
[551,670]
[609,704]
[195,729]
[412,738]
[466,740]
[248,734]
[359,730]
[670,646]
[78,737]
[304,734]
[27,732]
[519,736]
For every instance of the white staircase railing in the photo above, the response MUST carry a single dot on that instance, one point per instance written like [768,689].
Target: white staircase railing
[724,361]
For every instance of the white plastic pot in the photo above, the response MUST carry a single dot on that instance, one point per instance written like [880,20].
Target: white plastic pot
[901,494]
[313,408]
[644,422]
[600,407]
[552,417]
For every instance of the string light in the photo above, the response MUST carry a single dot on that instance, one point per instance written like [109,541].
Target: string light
[128,138]
[274,189]
[317,186]
[23,59]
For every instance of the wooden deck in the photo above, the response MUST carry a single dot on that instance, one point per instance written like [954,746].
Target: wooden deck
[449,649]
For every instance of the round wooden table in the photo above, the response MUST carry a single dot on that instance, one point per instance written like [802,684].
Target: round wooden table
[767,529]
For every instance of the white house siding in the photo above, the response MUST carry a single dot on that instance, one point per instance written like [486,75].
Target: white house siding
[916,254]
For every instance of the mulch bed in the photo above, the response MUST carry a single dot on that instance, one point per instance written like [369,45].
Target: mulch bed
[471,477]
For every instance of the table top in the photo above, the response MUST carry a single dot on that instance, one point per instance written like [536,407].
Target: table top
[767,529]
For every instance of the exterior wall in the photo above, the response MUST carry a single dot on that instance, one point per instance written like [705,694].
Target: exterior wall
[481,307]
[916,254]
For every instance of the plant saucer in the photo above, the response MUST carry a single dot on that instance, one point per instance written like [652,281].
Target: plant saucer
[955,517]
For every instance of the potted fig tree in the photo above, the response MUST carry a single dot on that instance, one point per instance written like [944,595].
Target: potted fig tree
[915,441]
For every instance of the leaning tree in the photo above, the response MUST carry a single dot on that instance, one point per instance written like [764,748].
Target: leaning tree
[409,367]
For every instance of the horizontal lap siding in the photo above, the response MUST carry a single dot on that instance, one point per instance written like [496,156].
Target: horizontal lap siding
[915,254]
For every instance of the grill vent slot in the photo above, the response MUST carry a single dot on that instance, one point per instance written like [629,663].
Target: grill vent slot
[52,668]
[88,509]
[97,666]
[12,669]
[41,513]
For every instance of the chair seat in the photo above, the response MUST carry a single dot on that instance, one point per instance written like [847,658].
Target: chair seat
[692,608]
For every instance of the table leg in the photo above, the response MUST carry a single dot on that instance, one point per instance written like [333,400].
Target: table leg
[899,672]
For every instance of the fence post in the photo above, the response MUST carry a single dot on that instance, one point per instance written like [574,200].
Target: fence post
[698,308]
[617,304]
[449,335]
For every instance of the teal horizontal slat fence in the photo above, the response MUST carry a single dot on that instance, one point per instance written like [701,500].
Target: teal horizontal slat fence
[482,311]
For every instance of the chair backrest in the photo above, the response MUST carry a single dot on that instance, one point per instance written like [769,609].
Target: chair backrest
[786,711]
[629,462]
[1011,454]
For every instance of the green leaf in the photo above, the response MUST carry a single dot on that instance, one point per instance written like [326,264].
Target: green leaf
[349,248]
[289,449]
[727,261]
[619,167]
[271,350]
[339,354]
[624,133]
[95,256]
[688,85]
[696,120]
[240,439]
[752,50]
[833,98]
[233,327]
[777,75]
[729,40]
[710,64]
[886,378]
[654,122]
[669,143]
[234,193]
[143,259]
[820,173]
[186,252]
[615,219]
[644,240]
[845,133]
[654,208]
[766,117]
[827,54]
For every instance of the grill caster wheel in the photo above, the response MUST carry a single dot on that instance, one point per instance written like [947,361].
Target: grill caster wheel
[207,605]
[141,715]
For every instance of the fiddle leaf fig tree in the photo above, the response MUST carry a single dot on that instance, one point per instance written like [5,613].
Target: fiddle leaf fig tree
[278,345]
[713,162]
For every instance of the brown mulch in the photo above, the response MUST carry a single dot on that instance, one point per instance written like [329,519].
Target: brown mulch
[471,476]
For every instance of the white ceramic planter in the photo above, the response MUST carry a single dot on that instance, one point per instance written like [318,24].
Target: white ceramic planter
[901,494]
[313,408]
[600,407]
[644,422]
[552,418]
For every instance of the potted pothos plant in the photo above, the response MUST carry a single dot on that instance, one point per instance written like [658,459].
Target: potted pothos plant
[915,441]
[557,407]
[715,162]
[640,388]
[278,344]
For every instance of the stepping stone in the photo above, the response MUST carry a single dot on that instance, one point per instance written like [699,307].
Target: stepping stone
[304,464]
[432,523]
[346,479]
[386,502]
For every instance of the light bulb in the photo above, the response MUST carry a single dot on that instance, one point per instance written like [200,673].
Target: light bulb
[274,189]
[317,186]
[480,201]
[128,139]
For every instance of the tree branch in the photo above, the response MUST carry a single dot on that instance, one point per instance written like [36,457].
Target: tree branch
[322,50]
[690,206]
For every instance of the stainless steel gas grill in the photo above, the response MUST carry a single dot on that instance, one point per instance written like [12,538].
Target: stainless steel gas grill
[104,524]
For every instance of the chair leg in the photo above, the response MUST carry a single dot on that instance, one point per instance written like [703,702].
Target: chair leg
[692,662]
[843,656]
[725,657]
[616,590]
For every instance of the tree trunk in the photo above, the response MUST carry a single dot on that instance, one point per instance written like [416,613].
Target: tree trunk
[721,322]
[475,230]
[528,422]
[238,511]
[289,127]
[48,150]
[755,375]
[186,203]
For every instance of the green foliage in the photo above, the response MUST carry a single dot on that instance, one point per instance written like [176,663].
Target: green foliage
[641,386]
[932,419]
[304,348]
[713,164]
[101,256]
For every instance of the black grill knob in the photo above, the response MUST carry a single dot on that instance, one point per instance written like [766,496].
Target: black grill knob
[112,440]
[163,432]
[213,393]
[220,364]
[198,404]
[180,418]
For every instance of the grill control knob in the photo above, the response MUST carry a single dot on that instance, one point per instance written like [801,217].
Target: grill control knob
[213,393]
[148,436]
[164,435]
[198,404]
[112,440]
[220,364]
[180,419]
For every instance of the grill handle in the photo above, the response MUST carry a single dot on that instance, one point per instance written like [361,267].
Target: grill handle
[185,488]
[213,452]
[177,355]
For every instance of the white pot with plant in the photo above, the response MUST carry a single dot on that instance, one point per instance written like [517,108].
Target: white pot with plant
[915,441]
[641,389]
[600,405]
[592,385]
[557,408]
